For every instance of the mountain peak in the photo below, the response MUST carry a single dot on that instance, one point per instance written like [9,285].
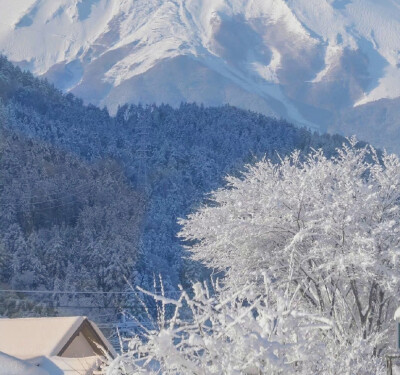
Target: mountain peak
[299,59]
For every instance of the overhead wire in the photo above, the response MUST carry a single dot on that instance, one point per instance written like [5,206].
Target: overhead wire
[28,291]
[78,189]
[70,195]
[59,291]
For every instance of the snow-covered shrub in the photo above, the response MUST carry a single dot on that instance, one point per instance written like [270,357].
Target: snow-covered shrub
[243,331]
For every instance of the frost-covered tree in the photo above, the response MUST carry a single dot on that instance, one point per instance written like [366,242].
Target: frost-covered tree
[230,331]
[328,226]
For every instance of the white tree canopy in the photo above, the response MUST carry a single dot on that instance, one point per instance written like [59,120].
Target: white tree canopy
[329,226]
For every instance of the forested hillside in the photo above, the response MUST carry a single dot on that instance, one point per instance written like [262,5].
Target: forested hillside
[65,224]
[88,198]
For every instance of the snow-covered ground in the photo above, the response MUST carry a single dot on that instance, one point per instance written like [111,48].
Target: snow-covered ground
[300,59]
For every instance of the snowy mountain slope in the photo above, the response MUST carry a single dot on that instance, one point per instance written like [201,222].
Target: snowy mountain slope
[304,60]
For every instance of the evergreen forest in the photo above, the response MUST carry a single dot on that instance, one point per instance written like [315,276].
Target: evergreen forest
[91,201]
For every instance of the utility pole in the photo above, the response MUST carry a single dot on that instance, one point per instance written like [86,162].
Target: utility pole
[143,155]
[392,359]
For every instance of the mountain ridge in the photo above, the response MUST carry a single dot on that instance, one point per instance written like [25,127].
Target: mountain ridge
[306,61]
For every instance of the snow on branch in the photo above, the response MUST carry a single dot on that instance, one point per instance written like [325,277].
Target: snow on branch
[226,333]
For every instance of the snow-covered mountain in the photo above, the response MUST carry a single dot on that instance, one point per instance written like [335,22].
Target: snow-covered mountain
[314,62]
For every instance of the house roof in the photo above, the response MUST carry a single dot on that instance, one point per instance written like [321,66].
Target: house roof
[26,338]
[69,366]
[10,365]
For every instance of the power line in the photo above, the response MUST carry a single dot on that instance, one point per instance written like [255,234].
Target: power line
[58,292]
[92,307]
[72,292]
[73,190]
